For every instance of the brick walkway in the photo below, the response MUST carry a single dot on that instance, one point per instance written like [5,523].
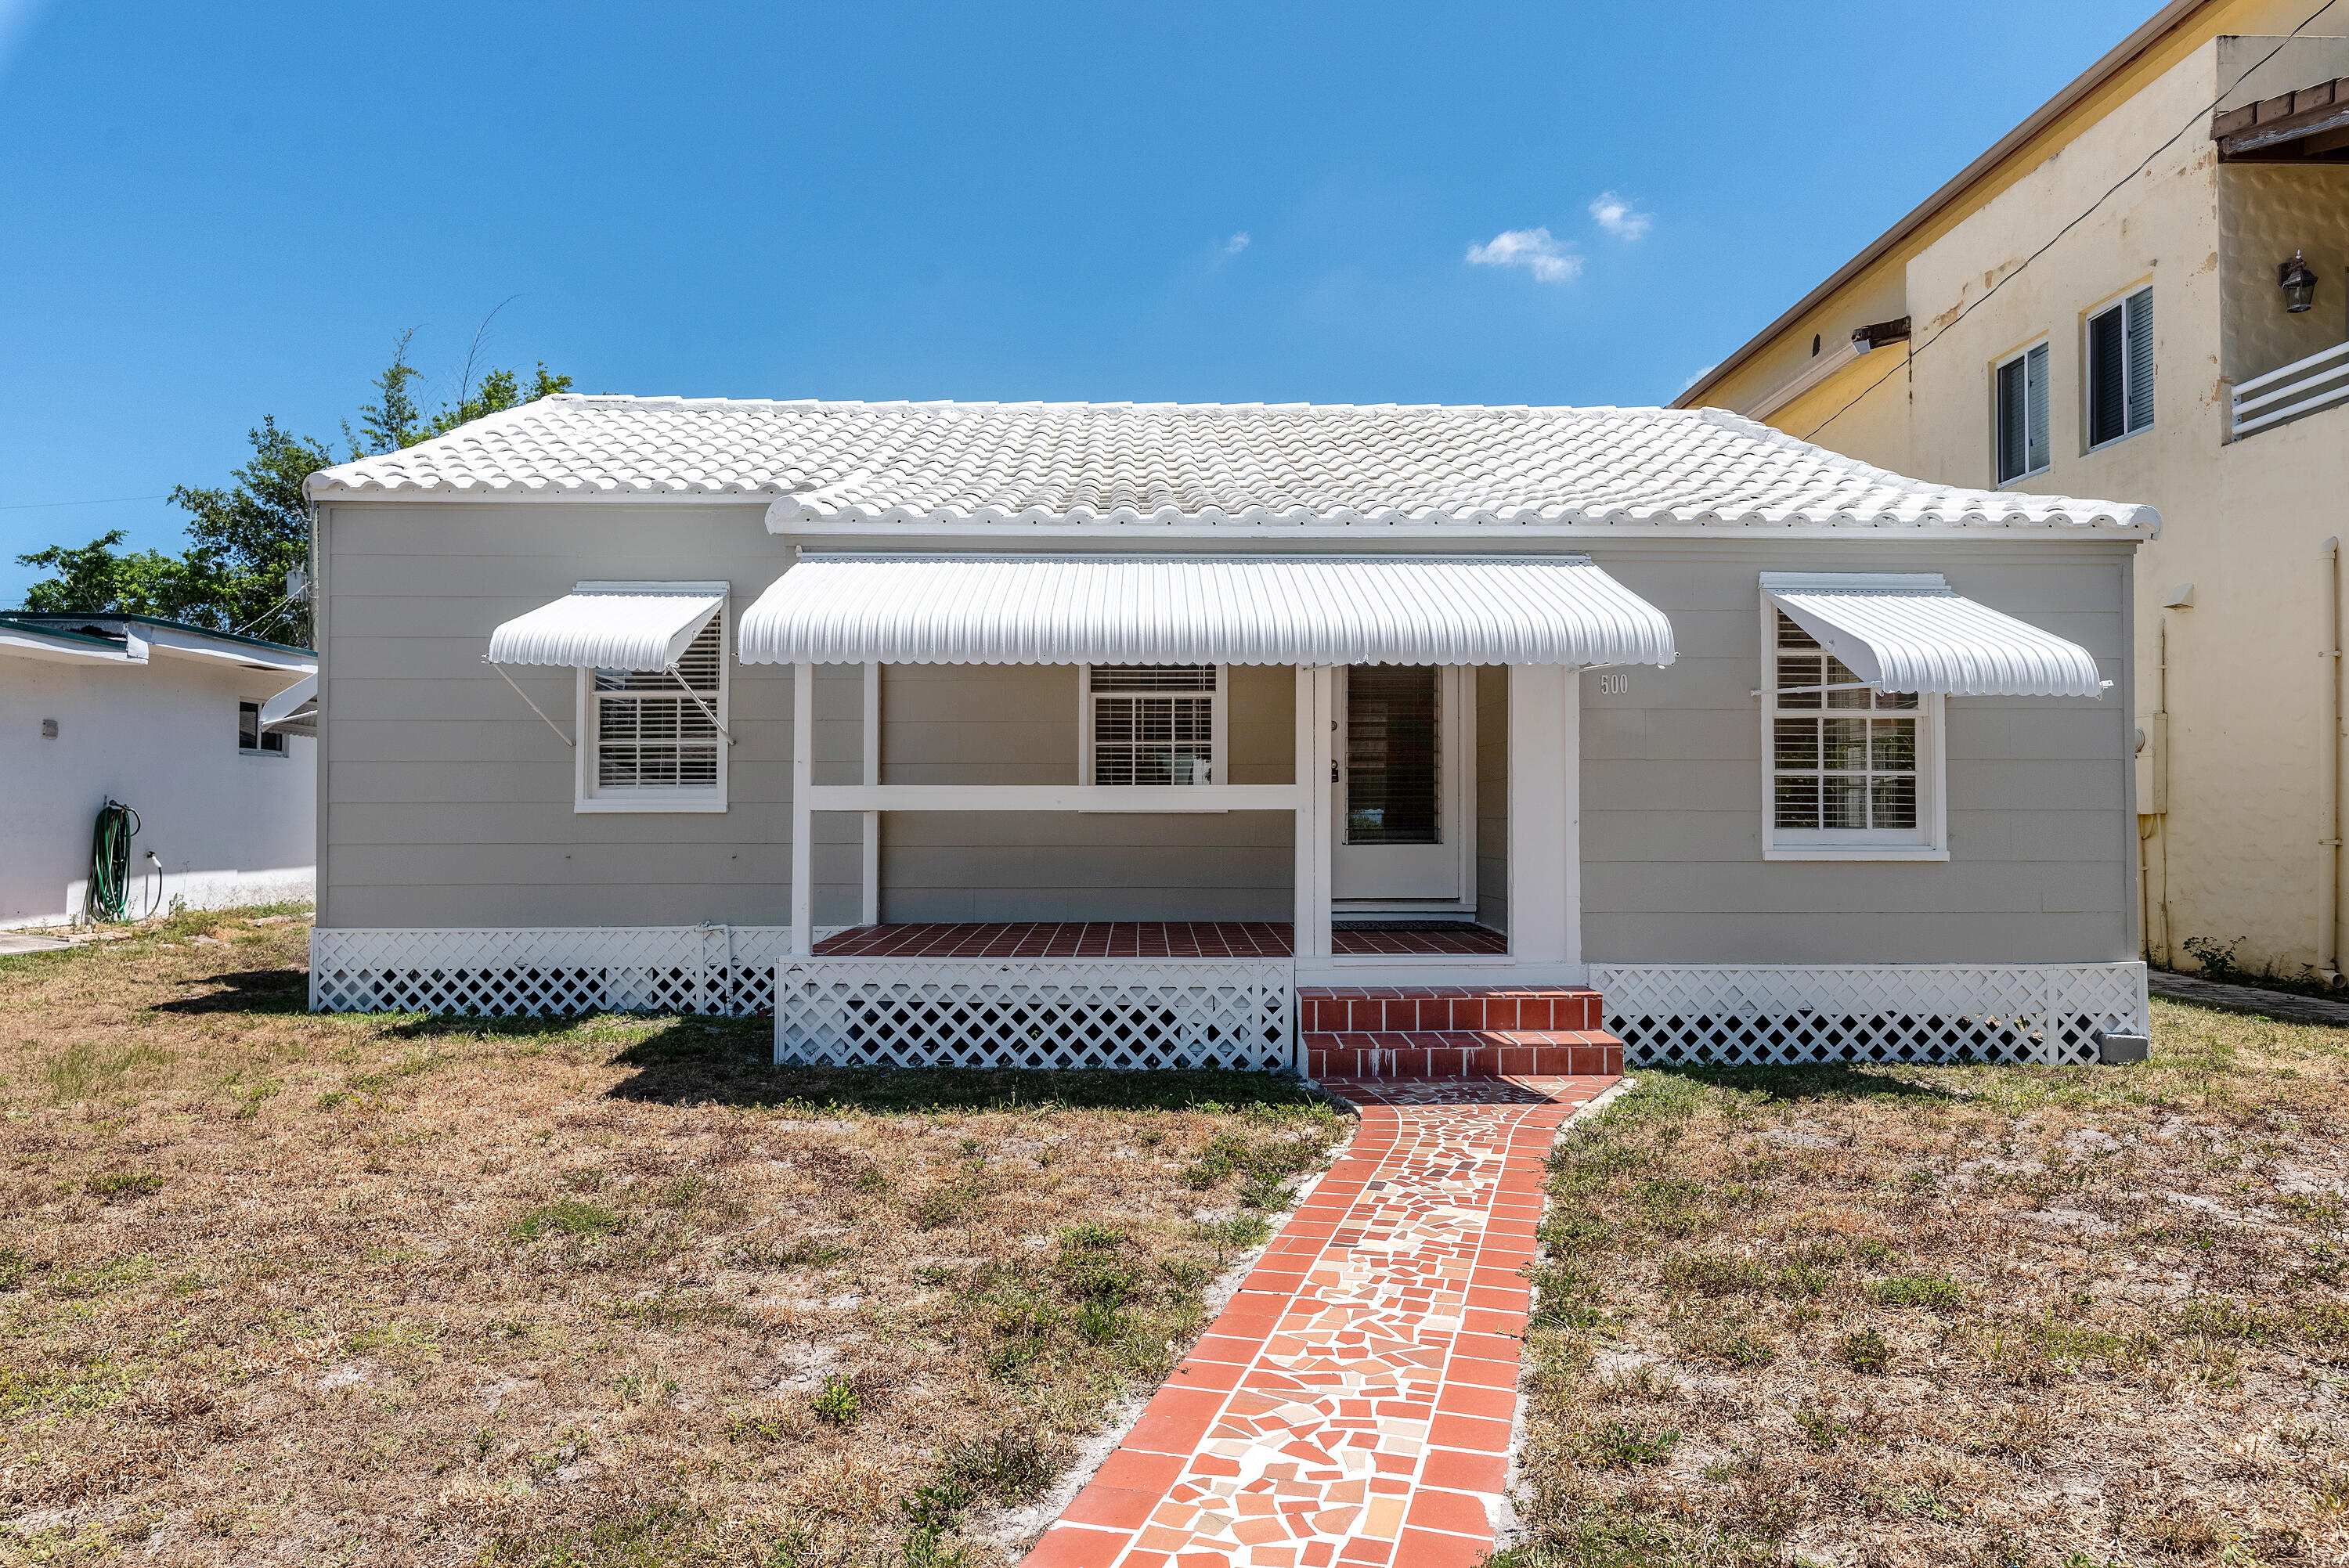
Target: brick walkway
[1352,1405]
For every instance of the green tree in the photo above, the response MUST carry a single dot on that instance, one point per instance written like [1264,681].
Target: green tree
[245,536]
[94,580]
[254,532]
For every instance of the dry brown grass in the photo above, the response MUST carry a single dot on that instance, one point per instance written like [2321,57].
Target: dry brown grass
[1994,1315]
[283,1288]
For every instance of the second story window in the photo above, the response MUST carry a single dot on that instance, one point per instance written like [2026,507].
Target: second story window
[2120,369]
[2021,415]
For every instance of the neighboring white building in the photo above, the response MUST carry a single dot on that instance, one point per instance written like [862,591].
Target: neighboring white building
[1117,731]
[167,720]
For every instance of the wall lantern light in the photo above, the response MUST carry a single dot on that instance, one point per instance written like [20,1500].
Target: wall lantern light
[2298,281]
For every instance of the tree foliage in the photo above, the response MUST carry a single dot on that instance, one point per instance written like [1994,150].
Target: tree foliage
[246,535]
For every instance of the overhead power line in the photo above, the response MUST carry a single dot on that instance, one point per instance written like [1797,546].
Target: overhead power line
[2201,117]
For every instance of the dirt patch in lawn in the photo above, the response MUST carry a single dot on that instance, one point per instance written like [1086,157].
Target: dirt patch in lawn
[285,1288]
[1978,1314]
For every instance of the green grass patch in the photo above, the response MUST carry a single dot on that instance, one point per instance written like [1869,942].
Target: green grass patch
[566,1217]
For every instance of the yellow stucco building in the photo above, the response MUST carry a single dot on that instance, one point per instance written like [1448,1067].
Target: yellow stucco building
[2103,303]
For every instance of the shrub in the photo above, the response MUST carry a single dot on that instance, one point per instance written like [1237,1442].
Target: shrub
[836,1402]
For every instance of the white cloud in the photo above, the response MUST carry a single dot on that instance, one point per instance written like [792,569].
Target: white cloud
[1615,215]
[1237,243]
[1693,380]
[1532,249]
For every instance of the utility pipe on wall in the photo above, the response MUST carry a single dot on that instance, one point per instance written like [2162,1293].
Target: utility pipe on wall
[2328,851]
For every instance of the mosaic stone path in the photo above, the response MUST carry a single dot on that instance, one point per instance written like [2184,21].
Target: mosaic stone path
[1352,1405]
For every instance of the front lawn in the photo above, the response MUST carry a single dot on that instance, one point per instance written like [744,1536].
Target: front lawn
[1968,1315]
[277,1288]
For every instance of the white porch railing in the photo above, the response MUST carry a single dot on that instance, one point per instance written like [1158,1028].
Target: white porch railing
[2268,399]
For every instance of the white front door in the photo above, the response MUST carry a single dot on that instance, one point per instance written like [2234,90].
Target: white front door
[1401,831]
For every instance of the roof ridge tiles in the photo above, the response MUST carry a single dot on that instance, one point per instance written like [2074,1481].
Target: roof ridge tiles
[1225,465]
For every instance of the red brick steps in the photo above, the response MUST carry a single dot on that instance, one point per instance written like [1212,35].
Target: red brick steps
[1454,1031]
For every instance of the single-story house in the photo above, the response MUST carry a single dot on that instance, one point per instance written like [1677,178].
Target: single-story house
[1120,733]
[169,720]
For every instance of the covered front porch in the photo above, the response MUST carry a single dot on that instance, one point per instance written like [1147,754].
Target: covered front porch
[1368,902]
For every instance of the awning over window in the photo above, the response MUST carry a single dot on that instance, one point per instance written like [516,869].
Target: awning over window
[1908,632]
[610,626]
[850,607]
[295,710]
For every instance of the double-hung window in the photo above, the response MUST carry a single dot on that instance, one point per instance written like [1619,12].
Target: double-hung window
[1151,723]
[654,740]
[2120,369]
[2021,418]
[1853,773]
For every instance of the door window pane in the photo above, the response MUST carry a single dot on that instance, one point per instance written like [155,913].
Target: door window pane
[1391,755]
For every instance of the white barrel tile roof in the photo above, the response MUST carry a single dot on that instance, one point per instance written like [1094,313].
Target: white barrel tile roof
[1245,464]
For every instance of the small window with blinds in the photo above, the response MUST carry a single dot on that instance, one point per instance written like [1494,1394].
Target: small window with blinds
[1151,723]
[1851,767]
[2021,395]
[2120,369]
[654,740]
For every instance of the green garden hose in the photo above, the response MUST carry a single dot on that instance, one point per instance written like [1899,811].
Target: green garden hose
[109,863]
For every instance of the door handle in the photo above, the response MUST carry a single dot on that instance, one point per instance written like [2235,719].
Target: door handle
[1333,773]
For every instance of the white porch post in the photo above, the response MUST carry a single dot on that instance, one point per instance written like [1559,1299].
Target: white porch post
[1545,814]
[871,911]
[802,810]
[1315,717]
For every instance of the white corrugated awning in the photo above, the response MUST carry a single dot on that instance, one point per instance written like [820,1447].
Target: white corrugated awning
[1909,631]
[295,710]
[851,606]
[610,626]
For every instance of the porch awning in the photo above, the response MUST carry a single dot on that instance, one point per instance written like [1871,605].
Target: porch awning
[1909,631]
[851,606]
[295,710]
[610,626]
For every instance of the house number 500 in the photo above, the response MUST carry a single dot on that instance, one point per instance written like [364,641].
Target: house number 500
[1615,684]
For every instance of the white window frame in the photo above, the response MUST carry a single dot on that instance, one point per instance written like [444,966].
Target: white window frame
[589,799]
[1997,367]
[2114,304]
[259,747]
[1927,841]
[1218,724]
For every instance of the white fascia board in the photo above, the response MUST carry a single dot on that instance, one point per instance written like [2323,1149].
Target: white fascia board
[22,644]
[195,645]
[1817,368]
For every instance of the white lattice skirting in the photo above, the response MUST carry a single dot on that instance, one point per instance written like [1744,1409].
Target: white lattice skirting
[1034,1013]
[1776,1015]
[550,970]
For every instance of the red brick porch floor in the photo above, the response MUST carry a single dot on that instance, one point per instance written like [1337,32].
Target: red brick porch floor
[1351,1407]
[1135,939]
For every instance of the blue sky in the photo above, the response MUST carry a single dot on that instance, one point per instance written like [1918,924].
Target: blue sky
[212,213]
